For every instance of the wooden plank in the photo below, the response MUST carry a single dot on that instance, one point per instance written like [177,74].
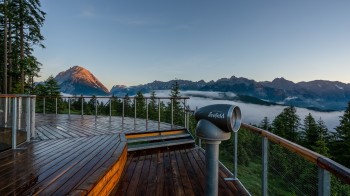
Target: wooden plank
[142,186]
[99,166]
[155,138]
[38,168]
[186,183]
[178,186]
[173,132]
[130,136]
[160,174]
[109,179]
[66,183]
[31,156]
[51,131]
[160,144]
[169,184]
[152,177]
[124,184]
[194,179]
[136,177]
[52,174]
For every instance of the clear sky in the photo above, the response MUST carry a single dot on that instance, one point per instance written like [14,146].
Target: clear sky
[135,42]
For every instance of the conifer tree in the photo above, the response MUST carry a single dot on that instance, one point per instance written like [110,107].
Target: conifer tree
[287,123]
[265,124]
[310,132]
[140,105]
[176,104]
[153,107]
[342,142]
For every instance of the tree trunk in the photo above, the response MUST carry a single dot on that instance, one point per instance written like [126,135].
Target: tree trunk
[5,49]
[22,47]
[10,59]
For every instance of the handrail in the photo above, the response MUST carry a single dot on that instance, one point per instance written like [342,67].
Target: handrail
[335,168]
[15,95]
[82,97]
[108,97]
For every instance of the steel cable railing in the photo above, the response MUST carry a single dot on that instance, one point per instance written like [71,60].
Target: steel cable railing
[161,109]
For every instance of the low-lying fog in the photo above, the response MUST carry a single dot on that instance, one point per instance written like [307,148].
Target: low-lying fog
[252,113]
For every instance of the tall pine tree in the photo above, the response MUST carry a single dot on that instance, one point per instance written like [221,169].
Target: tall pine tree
[342,142]
[287,123]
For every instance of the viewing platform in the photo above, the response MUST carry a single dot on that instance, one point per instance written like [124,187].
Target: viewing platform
[136,146]
[88,156]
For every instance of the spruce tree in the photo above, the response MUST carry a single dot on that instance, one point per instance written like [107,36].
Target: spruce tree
[342,143]
[265,124]
[153,107]
[140,105]
[287,123]
[310,132]
[176,104]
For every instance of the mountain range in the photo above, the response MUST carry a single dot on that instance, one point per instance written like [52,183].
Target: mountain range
[321,95]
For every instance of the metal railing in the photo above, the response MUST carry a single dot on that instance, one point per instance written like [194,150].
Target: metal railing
[294,168]
[260,154]
[162,109]
[17,120]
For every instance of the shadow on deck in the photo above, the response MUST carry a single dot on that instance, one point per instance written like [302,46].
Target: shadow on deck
[88,156]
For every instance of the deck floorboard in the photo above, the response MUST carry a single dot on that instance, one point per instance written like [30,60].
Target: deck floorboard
[172,171]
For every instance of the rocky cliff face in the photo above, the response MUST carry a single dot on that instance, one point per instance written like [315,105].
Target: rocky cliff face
[78,80]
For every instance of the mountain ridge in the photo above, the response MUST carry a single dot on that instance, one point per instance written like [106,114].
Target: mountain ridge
[321,95]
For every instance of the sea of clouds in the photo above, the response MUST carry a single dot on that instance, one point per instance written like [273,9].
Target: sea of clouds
[251,113]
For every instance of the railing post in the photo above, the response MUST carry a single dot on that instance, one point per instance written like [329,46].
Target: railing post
[6,111]
[158,113]
[95,107]
[123,112]
[135,113]
[110,109]
[32,116]
[14,122]
[82,106]
[324,182]
[185,114]
[146,113]
[172,112]
[27,113]
[19,112]
[235,155]
[235,158]
[44,105]
[56,105]
[69,106]
[264,166]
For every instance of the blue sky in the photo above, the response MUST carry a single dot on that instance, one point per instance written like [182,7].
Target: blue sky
[135,42]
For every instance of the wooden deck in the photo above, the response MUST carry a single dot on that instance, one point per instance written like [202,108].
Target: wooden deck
[74,165]
[88,156]
[175,171]
[51,126]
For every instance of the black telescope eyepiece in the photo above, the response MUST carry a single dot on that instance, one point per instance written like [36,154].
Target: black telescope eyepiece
[224,116]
